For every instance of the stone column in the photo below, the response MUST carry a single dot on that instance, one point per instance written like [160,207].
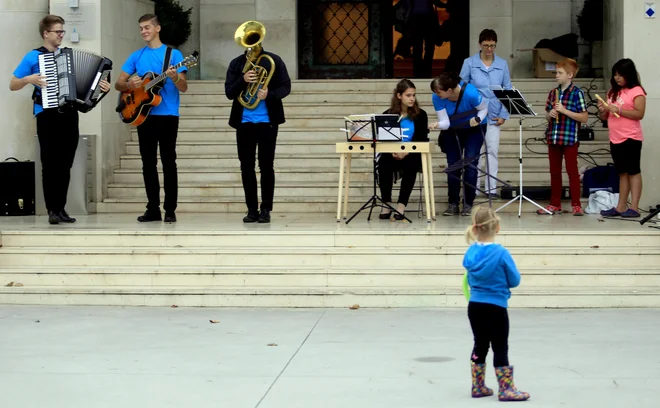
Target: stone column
[639,36]
[532,22]
[497,15]
[21,19]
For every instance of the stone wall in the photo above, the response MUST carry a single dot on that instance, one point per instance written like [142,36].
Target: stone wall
[639,33]
[115,35]
[21,19]
[219,19]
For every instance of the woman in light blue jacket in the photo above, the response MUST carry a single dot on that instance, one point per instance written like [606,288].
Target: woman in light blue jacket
[483,70]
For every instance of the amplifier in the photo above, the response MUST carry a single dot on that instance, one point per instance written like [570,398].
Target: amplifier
[586,134]
[532,192]
[16,187]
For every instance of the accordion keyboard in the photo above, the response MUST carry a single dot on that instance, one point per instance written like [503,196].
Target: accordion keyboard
[47,68]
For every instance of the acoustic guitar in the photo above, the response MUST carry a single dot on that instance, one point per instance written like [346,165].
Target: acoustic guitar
[135,104]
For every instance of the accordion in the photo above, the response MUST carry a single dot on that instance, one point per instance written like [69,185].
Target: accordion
[73,77]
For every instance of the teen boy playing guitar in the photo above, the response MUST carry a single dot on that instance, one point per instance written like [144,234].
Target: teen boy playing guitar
[162,123]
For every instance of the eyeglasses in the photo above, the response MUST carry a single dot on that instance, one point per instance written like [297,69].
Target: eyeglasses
[61,33]
[489,46]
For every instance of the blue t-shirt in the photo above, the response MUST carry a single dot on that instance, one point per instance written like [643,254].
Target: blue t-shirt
[29,66]
[471,99]
[256,115]
[409,131]
[151,60]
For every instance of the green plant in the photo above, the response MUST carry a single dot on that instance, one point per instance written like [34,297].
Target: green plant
[174,21]
[590,20]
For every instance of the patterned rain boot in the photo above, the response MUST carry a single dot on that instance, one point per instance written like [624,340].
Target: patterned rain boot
[508,391]
[479,388]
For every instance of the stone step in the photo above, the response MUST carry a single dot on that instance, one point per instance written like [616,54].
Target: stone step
[334,134]
[316,121]
[343,96]
[450,232]
[326,108]
[308,161]
[374,257]
[275,278]
[283,190]
[315,146]
[387,85]
[260,296]
[326,207]
[315,175]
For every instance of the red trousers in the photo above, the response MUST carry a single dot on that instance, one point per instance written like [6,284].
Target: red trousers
[555,154]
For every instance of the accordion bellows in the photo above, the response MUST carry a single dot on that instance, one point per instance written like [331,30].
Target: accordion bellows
[73,76]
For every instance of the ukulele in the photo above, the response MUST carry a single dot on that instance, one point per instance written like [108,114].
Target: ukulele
[135,104]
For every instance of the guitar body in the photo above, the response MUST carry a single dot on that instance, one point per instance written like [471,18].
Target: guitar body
[135,104]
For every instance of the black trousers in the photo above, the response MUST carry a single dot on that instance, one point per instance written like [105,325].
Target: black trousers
[154,132]
[249,136]
[387,165]
[58,140]
[422,32]
[490,327]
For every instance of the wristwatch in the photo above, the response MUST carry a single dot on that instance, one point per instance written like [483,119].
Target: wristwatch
[478,119]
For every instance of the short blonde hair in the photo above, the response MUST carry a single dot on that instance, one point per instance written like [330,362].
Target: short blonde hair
[484,224]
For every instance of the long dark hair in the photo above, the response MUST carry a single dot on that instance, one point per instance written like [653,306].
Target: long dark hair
[624,68]
[395,105]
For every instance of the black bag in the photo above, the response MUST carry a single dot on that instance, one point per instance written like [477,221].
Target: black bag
[600,178]
[17,187]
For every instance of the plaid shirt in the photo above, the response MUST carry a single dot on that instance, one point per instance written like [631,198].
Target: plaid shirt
[564,130]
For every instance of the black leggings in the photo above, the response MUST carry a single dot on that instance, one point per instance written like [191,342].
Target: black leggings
[409,166]
[490,327]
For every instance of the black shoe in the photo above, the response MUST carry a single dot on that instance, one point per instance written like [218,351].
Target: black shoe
[451,210]
[170,217]
[264,217]
[399,217]
[385,216]
[252,216]
[64,217]
[53,218]
[150,216]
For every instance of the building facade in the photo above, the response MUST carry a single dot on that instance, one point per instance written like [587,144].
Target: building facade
[110,28]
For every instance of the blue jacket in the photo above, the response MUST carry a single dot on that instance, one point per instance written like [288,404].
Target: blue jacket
[474,72]
[491,273]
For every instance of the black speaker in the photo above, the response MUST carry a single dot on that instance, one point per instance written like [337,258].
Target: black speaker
[533,192]
[16,187]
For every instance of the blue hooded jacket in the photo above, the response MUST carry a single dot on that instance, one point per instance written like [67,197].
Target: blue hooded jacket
[491,273]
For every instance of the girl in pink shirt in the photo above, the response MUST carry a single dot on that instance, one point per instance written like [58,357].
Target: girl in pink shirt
[627,99]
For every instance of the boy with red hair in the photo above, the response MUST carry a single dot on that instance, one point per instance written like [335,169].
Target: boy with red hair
[565,111]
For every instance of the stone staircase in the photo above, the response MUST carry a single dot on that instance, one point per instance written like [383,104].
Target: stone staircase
[213,260]
[306,164]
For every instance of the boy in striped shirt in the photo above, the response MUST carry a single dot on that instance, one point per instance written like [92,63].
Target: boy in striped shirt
[565,111]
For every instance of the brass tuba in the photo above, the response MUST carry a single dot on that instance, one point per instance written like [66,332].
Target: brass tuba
[250,35]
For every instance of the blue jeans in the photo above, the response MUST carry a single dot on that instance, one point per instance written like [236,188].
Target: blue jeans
[468,145]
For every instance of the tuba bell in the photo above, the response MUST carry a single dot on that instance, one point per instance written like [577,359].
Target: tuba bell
[250,35]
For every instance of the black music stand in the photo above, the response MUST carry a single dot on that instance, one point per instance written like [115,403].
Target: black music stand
[516,104]
[648,217]
[378,124]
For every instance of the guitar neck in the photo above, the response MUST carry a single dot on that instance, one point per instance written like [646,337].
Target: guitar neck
[161,77]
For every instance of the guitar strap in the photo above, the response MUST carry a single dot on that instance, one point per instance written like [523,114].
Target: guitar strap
[166,61]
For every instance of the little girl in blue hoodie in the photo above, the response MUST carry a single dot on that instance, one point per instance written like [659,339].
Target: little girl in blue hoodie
[491,272]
